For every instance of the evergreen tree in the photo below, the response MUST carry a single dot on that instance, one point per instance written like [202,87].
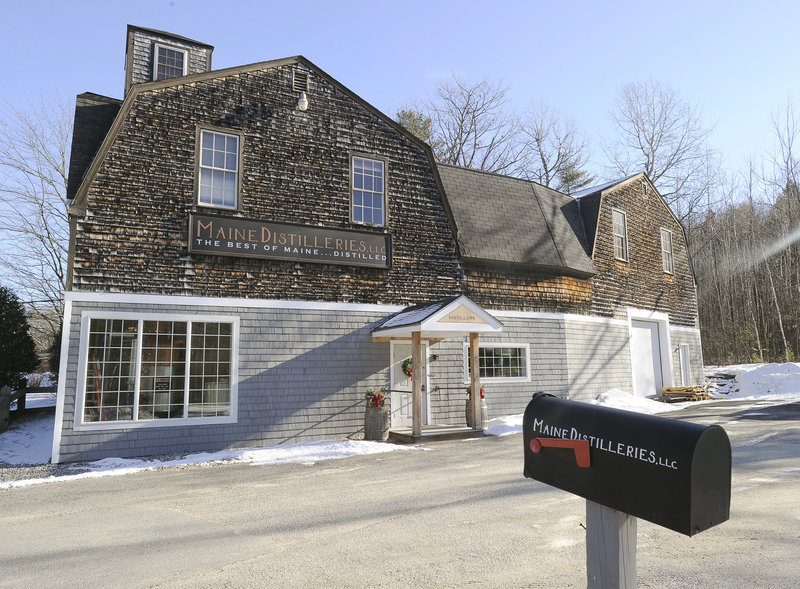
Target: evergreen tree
[416,122]
[55,352]
[17,350]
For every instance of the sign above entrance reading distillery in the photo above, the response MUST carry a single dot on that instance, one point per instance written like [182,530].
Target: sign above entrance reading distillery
[461,315]
[228,236]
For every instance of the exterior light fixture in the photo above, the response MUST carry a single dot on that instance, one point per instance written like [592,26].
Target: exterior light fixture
[302,102]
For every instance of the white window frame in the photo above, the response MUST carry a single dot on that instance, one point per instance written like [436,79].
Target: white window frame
[622,236]
[667,253]
[384,201]
[135,422]
[525,346]
[200,167]
[157,47]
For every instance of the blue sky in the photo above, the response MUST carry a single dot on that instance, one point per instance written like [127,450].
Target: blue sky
[736,60]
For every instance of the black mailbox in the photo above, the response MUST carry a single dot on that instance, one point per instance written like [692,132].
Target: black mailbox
[673,473]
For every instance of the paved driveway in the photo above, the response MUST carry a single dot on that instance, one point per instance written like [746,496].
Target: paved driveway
[459,514]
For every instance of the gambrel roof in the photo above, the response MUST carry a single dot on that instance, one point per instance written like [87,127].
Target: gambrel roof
[495,218]
[82,184]
[514,221]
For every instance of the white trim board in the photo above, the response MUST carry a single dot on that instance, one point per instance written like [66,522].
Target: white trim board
[685,329]
[559,317]
[62,383]
[181,300]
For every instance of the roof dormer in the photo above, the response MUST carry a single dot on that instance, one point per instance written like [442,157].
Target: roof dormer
[158,55]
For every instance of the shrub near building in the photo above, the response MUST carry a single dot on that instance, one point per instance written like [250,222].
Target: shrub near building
[17,350]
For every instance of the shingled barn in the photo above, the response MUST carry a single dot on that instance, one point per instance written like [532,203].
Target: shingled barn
[253,248]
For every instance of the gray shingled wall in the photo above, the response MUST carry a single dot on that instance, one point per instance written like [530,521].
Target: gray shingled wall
[548,372]
[303,373]
[692,339]
[302,376]
[598,358]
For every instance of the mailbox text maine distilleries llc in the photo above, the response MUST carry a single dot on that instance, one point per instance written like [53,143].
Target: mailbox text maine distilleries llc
[230,236]
[673,473]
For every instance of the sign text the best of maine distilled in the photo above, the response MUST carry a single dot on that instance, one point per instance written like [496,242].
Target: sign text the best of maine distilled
[228,236]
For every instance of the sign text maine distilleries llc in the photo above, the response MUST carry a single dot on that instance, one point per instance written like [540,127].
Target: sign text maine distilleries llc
[228,236]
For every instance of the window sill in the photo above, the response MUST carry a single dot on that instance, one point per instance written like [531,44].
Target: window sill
[150,423]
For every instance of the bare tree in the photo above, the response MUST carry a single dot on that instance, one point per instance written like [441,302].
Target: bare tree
[34,228]
[663,135]
[467,124]
[784,156]
[554,152]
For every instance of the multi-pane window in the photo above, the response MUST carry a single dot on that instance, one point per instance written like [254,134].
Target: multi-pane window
[111,370]
[168,62]
[210,370]
[500,362]
[666,251]
[163,369]
[219,167]
[620,232]
[137,370]
[369,202]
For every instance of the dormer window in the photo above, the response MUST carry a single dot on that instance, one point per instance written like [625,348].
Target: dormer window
[168,62]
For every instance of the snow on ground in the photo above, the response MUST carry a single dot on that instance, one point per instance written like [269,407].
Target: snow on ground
[305,453]
[31,442]
[764,382]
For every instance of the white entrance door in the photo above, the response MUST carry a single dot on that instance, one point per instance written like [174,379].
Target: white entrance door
[402,406]
[646,358]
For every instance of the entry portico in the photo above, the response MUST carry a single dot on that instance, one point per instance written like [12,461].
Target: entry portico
[447,318]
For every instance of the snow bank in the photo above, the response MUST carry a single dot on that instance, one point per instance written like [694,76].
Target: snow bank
[621,400]
[769,382]
[305,453]
[503,426]
[512,424]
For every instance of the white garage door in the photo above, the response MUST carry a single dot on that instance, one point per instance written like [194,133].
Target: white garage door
[646,358]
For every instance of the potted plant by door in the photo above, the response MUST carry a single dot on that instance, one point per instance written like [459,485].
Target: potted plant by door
[376,416]
[484,411]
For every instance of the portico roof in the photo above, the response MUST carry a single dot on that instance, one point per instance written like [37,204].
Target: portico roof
[450,317]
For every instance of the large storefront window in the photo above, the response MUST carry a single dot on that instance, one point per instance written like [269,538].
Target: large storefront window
[136,370]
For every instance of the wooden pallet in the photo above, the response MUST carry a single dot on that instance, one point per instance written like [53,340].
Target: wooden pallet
[680,394]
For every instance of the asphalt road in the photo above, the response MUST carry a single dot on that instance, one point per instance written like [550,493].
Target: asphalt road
[458,514]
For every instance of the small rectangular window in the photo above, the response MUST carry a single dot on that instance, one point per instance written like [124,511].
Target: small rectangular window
[219,169]
[666,251]
[368,197]
[683,353]
[500,362]
[168,62]
[620,232]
